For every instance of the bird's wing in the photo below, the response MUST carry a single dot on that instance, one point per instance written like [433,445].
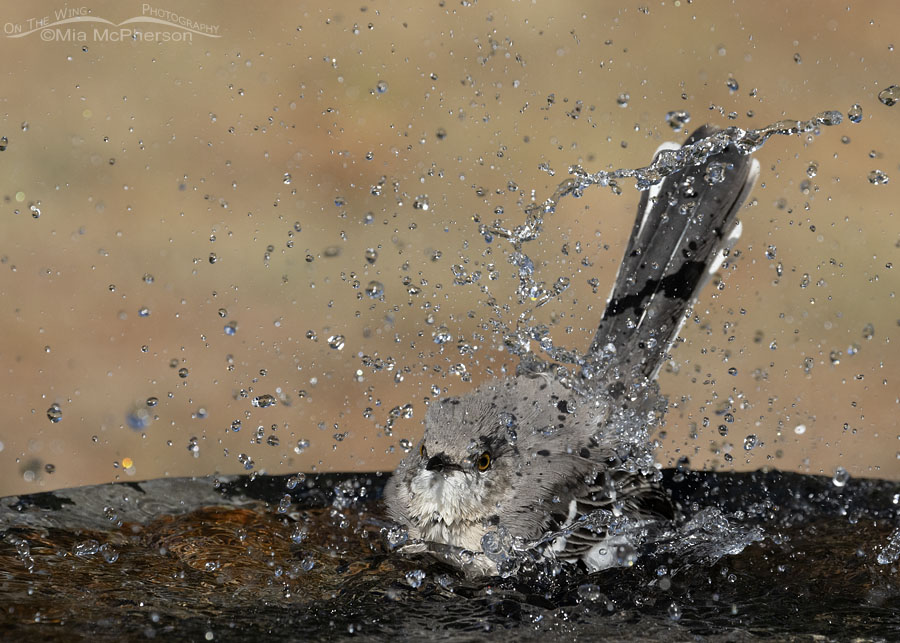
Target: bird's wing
[613,494]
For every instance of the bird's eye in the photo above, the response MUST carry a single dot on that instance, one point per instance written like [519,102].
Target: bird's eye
[484,461]
[423,451]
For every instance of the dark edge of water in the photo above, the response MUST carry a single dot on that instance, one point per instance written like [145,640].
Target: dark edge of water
[791,495]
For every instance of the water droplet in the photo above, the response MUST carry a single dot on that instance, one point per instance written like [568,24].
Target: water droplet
[183,372]
[868,331]
[812,170]
[264,401]
[797,59]
[143,312]
[590,592]
[800,429]
[415,578]
[371,255]
[507,420]
[625,555]
[677,119]
[4,143]
[687,208]
[405,411]
[749,442]
[442,335]
[231,328]
[235,425]
[715,173]
[397,536]
[732,85]
[855,113]
[840,477]
[246,460]
[286,179]
[889,96]
[110,555]
[375,289]
[808,363]
[336,342]
[294,480]
[877,177]
[299,534]
[622,100]
[138,417]
[771,252]
[381,87]
[302,445]
[86,548]
[54,413]
[674,612]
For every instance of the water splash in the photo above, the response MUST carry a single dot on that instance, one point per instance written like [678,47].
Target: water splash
[528,336]
[666,163]
[890,553]
[700,541]
[710,535]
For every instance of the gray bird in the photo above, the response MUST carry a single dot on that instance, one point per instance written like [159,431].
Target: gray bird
[535,462]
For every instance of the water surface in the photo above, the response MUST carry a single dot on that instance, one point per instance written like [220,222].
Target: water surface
[756,556]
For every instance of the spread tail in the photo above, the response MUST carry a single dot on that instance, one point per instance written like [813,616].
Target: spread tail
[684,226]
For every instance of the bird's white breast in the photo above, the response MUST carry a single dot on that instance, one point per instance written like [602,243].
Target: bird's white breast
[447,508]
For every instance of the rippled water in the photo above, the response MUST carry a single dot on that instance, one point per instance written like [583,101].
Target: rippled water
[762,555]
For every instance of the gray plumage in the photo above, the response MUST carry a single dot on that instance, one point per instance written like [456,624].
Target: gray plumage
[529,456]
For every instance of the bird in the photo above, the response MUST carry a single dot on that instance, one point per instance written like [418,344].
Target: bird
[532,463]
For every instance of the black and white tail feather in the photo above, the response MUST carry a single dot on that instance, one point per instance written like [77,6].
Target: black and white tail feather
[685,226]
[527,454]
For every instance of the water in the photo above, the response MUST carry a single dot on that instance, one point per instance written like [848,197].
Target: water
[756,556]
[536,293]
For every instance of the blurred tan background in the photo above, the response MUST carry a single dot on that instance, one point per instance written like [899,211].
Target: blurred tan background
[154,192]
